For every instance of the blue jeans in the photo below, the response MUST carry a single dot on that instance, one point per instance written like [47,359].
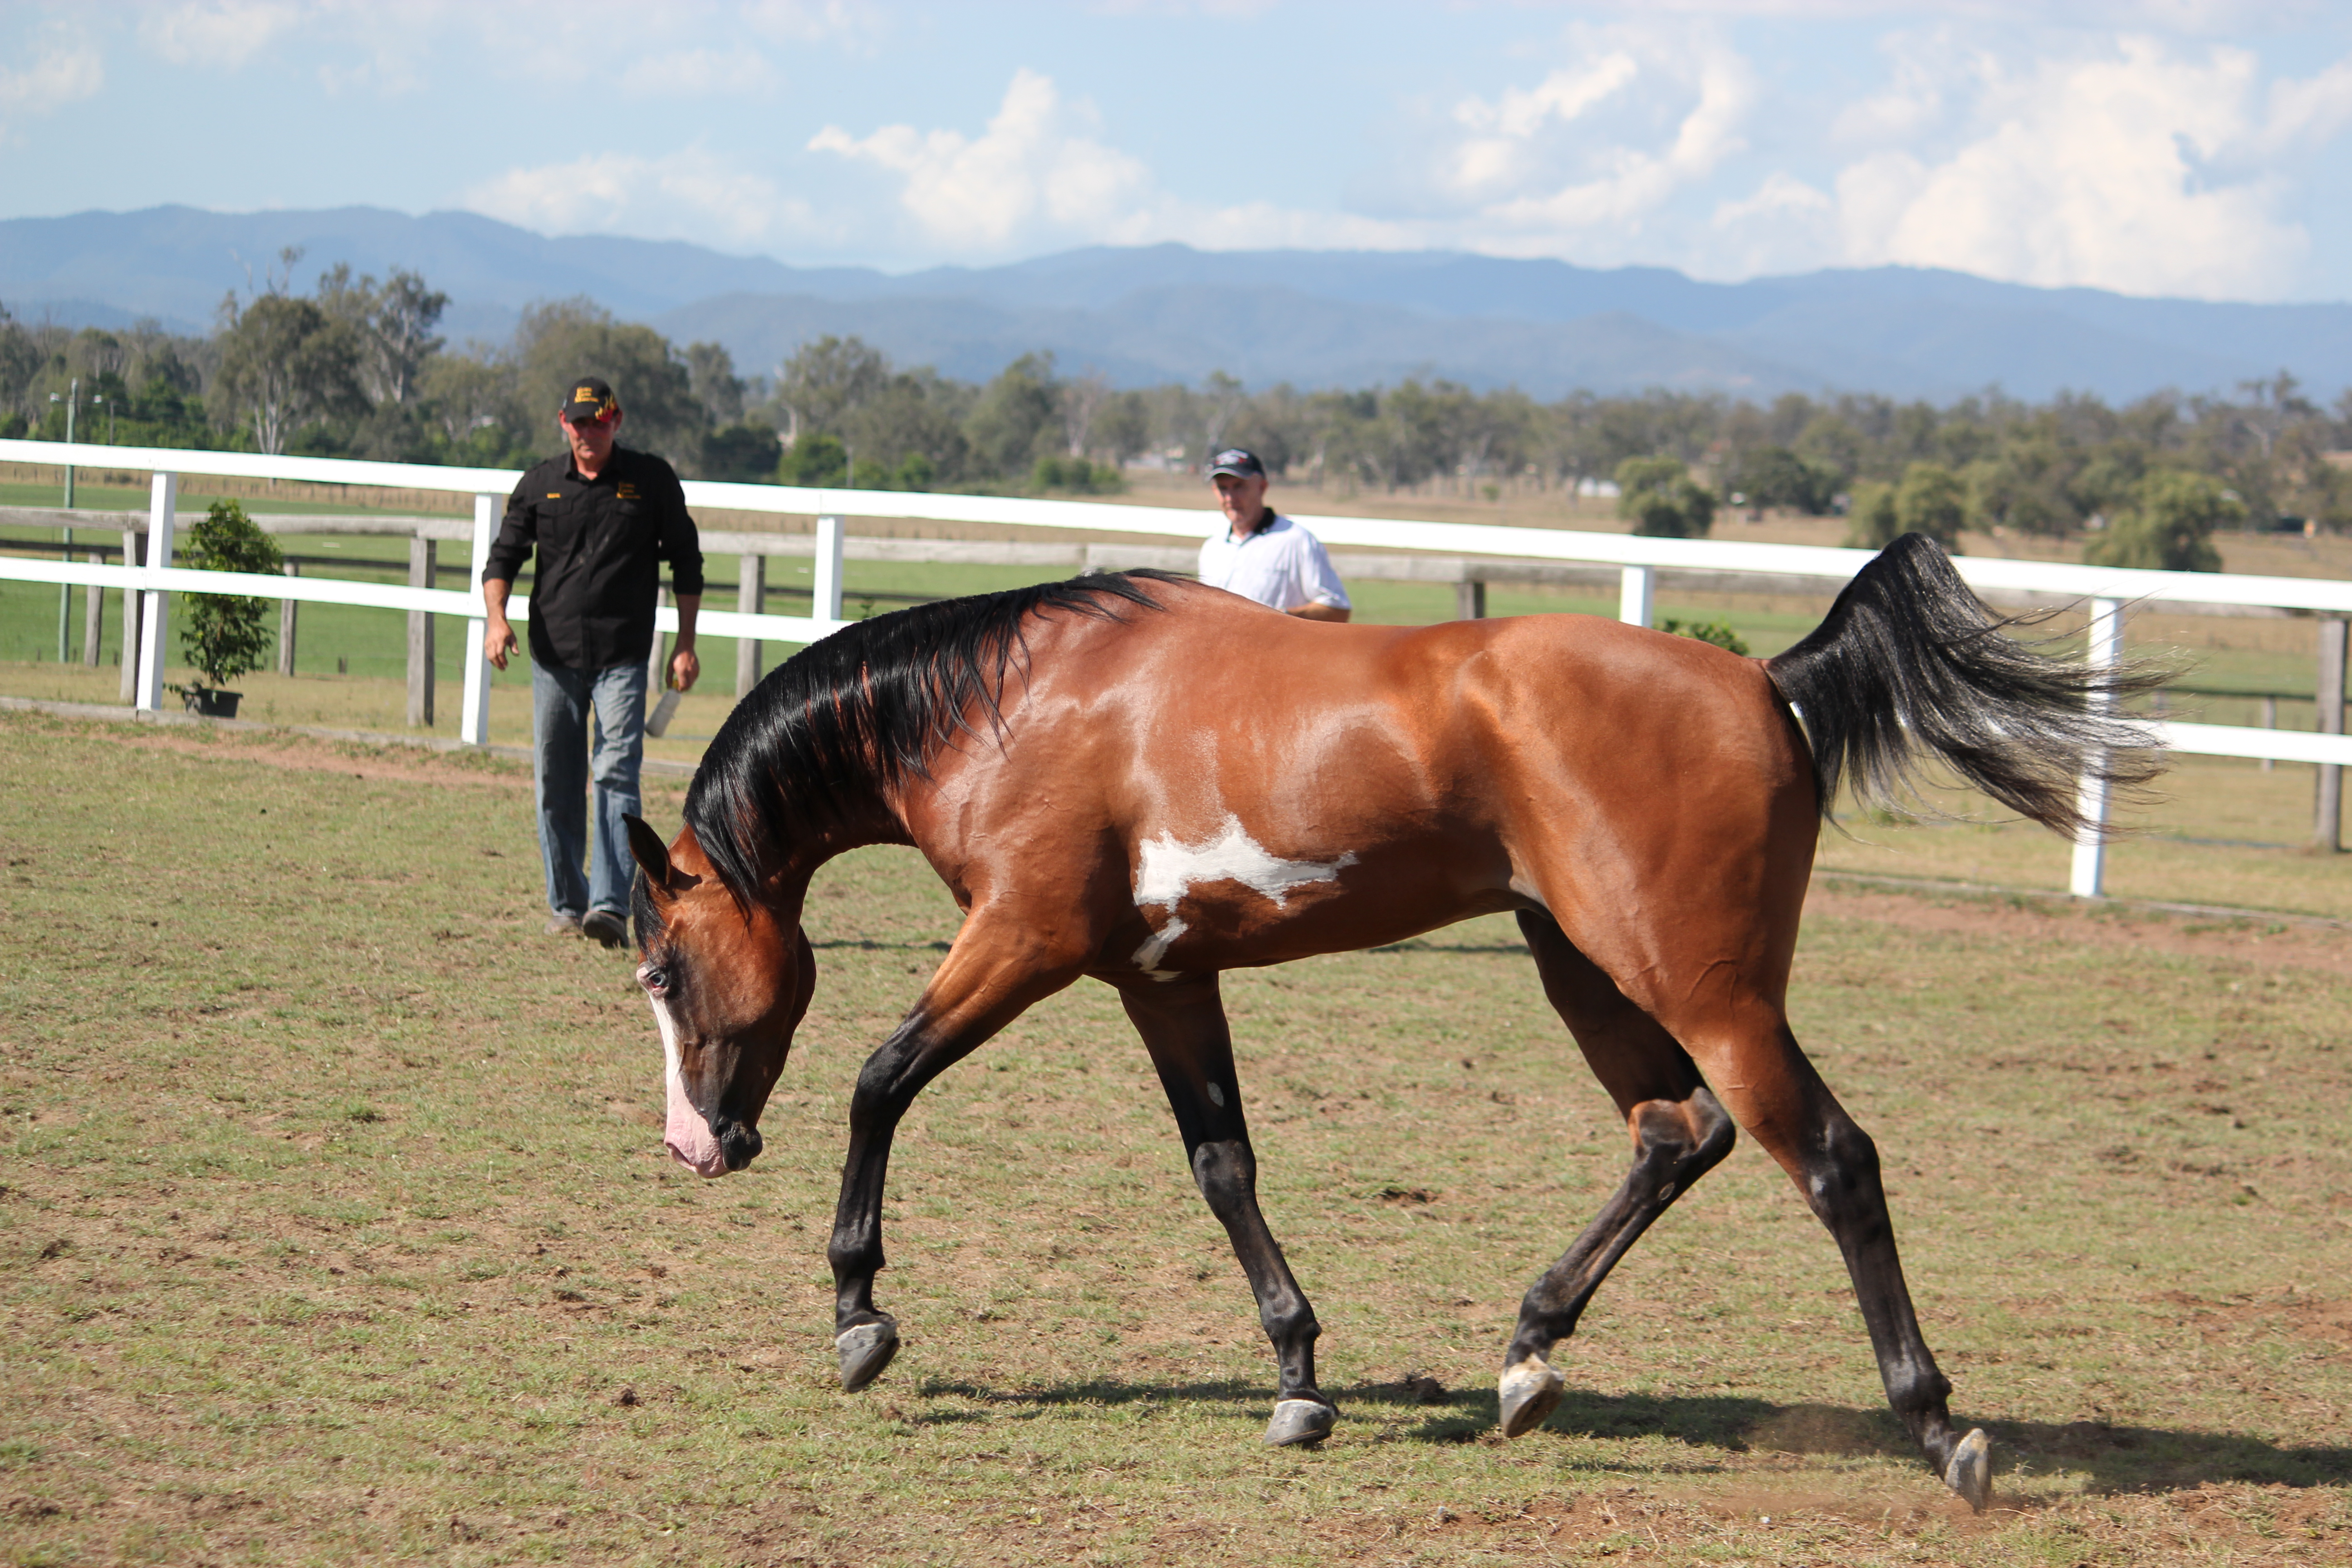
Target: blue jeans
[561,703]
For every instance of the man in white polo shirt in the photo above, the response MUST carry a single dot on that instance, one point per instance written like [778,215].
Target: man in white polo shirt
[1264,556]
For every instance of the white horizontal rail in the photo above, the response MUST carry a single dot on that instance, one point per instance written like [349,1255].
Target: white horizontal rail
[2240,741]
[2203,740]
[1107,517]
[376,596]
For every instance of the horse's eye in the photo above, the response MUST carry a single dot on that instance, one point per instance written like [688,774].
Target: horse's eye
[655,979]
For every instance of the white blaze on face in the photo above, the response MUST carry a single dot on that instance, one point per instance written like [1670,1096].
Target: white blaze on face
[1167,869]
[686,1135]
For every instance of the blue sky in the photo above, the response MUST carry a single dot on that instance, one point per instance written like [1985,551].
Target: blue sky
[2193,147]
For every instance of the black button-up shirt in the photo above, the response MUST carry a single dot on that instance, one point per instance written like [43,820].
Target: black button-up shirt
[601,545]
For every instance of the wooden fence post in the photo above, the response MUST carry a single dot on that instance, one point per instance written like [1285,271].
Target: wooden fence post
[286,627]
[1470,600]
[130,693]
[751,599]
[658,661]
[2328,820]
[420,638]
[93,617]
[2090,875]
[156,609]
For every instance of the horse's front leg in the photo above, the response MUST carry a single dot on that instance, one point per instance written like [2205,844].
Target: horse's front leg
[983,986]
[1182,1023]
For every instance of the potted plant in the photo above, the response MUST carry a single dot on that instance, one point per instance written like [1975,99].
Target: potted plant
[224,634]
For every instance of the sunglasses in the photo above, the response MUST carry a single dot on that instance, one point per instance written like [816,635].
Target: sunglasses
[598,420]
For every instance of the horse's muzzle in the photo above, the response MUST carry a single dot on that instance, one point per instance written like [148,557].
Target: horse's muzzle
[739,1143]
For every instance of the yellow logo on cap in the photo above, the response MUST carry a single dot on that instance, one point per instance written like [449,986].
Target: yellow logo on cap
[586,395]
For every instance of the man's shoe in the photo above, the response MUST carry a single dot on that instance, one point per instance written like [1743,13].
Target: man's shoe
[562,925]
[604,926]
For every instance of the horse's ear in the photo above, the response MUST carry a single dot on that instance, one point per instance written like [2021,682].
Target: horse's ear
[666,881]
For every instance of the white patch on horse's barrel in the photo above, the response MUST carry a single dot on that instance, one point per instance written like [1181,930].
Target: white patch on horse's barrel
[1168,868]
[686,1135]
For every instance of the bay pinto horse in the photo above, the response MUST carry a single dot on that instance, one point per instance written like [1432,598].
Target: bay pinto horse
[1148,782]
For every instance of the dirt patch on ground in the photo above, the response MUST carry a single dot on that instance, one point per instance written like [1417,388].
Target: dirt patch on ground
[2255,941]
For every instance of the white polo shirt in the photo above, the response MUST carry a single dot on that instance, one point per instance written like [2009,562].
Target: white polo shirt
[1281,564]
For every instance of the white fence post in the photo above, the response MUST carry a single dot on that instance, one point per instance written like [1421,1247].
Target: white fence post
[826,603]
[474,706]
[156,609]
[2091,849]
[1637,587]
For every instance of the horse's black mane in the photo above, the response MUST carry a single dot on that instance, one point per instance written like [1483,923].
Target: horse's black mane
[864,710]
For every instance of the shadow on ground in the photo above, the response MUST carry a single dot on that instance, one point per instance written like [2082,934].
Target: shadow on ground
[2116,1458]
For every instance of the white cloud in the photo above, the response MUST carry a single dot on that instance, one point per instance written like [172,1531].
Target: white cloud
[698,73]
[1037,166]
[2098,171]
[686,195]
[65,74]
[223,33]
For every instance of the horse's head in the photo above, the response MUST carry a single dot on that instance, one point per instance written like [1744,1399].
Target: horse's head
[727,989]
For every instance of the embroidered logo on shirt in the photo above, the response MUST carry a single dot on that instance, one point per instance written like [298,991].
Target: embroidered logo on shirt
[555,495]
[625,491]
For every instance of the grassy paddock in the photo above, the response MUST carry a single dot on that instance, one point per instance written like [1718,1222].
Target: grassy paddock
[335,1227]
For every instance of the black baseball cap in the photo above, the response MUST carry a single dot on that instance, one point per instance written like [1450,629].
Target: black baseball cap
[1234,460]
[591,399]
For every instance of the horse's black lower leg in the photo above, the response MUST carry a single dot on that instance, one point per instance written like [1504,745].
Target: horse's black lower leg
[1679,1130]
[1840,1175]
[1675,1142]
[969,1000]
[1182,1023]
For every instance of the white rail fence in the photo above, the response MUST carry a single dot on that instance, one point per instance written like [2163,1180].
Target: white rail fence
[1637,560]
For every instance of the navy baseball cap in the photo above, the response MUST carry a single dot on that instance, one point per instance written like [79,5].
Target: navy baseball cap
[1241,463]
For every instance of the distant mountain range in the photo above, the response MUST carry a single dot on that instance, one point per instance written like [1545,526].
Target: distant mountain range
[1165,313]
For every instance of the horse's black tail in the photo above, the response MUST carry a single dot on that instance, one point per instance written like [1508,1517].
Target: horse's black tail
[1911,666]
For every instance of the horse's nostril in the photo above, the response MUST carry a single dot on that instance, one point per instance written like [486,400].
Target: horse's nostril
[740,1144]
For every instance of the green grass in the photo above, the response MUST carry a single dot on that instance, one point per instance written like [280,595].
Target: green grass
[335,1228]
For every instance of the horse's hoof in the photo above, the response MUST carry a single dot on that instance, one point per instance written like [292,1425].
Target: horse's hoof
[1299,1421]
[864,1351]
[1528,1393]
[1970,1471]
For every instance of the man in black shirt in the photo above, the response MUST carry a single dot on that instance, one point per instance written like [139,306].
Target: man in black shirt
[603,518]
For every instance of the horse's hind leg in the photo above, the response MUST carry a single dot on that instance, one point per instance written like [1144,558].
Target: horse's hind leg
[1182,1023]
[1768,1084]
[1679,1133]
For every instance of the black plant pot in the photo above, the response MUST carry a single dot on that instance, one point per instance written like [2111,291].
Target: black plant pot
[211,702]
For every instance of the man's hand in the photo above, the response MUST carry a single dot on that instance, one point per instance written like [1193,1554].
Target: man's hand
[499,640]
[682,668]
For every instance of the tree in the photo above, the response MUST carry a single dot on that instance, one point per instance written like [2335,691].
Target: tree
[228,635]
[284,363]
[711,371]
[557,342]
[1872,521]
[2169,527]
[392,323]
[1932,501]
[825,381]
[1015,420]
[743,453]
[1662,498]
[1082,400]
[1778,476]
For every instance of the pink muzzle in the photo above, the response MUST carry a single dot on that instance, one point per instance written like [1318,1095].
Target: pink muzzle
[689,1136]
